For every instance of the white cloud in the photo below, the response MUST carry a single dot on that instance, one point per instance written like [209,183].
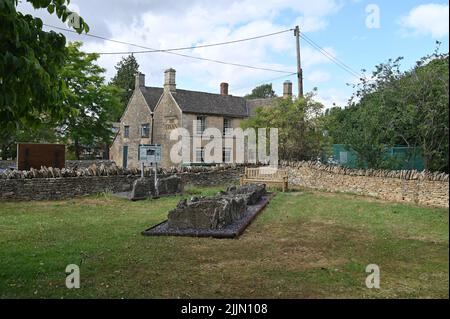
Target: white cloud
[427,19]
[332,97]
[317,77]
[169,24]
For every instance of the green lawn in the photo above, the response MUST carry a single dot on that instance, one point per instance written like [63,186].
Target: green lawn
[305,244]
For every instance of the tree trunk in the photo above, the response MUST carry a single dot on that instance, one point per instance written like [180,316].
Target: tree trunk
[5,149]
[77,149]
[106,152]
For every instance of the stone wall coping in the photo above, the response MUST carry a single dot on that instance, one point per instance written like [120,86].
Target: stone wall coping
[396,174]
[104,170]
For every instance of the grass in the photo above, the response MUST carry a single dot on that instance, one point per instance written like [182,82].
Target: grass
[303,245]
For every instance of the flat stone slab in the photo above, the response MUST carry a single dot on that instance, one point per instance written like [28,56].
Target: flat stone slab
[125,195]
[231,231]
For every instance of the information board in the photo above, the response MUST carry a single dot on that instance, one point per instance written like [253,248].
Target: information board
[150,153]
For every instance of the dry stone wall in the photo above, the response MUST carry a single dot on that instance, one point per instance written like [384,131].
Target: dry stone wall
[423,188]
[71,164]
[54,184]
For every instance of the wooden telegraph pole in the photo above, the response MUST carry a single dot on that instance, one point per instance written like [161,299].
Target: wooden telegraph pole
[299,62]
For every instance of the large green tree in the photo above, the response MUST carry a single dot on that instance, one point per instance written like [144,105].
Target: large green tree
[300,132]
[126,71]
[31,60]
[396,107]
[261,92]
[95,104]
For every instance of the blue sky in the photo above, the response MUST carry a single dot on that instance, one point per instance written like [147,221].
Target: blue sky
[362,48]
[407,28]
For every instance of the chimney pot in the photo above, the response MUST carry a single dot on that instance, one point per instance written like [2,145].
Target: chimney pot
[287,90]
[169,80]
[223,88]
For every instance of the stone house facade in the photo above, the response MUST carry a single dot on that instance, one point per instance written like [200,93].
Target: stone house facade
[152,113]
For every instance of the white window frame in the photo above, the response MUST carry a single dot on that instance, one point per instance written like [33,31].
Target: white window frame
[147,125]
[201,124]
[226,151]
[227,130]
[200,151]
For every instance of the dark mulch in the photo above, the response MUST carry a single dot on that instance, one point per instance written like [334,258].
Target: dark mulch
[231,231]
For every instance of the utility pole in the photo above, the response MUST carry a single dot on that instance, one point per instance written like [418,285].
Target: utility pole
[299,62]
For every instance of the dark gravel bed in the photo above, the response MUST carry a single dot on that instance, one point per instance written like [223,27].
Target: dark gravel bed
[231,231]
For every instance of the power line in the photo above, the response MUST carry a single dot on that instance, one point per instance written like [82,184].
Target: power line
[230,63]
[169,51]
[267,81]
[335,60]
[199,46]
[311,42]
[327,54]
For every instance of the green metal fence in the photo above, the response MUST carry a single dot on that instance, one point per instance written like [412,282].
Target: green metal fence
[397,157]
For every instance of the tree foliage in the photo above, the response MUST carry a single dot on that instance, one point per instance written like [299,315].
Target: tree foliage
[44,133]
[299,127]
[30,62]
[397,107]
[95,104]
[126,70]
[261,92]
[92,105]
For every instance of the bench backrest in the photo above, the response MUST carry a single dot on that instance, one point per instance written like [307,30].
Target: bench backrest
[265,173]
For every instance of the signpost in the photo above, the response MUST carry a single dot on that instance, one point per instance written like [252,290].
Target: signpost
[150,154]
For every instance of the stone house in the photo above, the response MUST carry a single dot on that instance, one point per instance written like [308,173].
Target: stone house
[152,113]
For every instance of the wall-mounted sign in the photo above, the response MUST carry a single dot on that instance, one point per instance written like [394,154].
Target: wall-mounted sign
[150,153]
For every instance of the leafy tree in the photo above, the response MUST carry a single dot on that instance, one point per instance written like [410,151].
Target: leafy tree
[261,92]
[44,133]
[96,105]
[300,132]
[126,69]
[397,107]
[30,62]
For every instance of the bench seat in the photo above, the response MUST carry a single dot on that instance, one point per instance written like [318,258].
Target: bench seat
[254,175]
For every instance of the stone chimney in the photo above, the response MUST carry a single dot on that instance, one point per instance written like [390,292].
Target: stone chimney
[169,80]
[223,88]
[139,80]
[287,90]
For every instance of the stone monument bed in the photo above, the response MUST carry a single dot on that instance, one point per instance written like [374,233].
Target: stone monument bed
[225,215]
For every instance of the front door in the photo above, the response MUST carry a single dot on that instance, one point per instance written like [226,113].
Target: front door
[125,157]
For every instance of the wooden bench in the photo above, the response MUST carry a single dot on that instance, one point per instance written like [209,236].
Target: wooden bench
[266,175]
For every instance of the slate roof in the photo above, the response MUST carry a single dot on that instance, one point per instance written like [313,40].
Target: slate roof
[151,95]
[209,103]
[200,102]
